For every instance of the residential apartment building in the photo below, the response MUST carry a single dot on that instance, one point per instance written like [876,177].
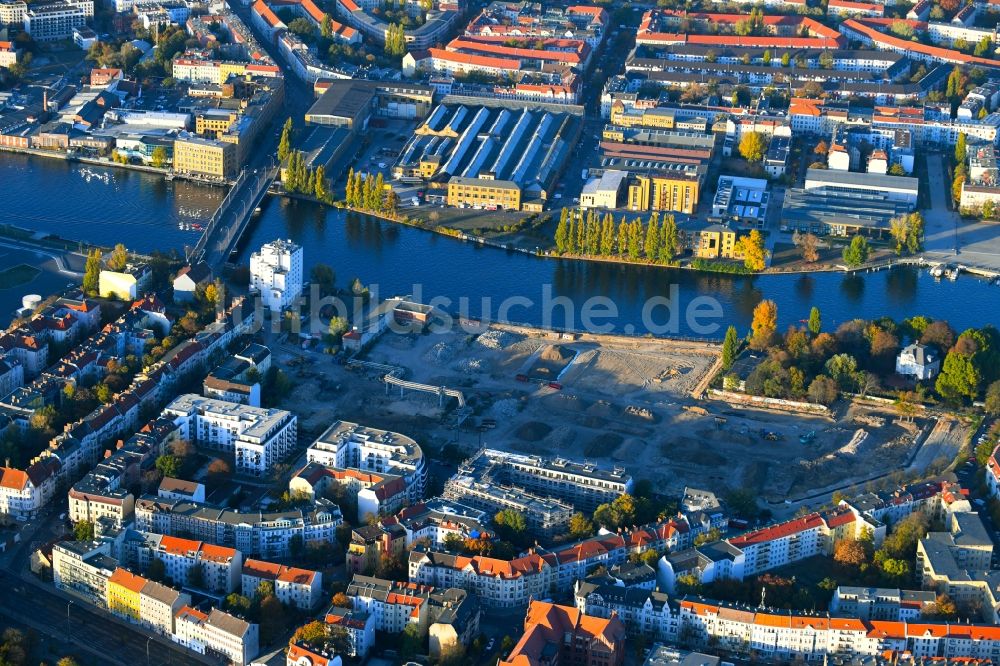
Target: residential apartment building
[300,588]
[376,464]
[583,485]
[258,438]
[23,493]
[8,54]
[145,602]
[209,158]
[556,634]
[53,21]
[264,534]
[797,539]
[497,583]
[870,603]
[83,568]
[218,567]
[544,515]
[217,633]
[958,562]
[643,612]
[448,616]
[276,273]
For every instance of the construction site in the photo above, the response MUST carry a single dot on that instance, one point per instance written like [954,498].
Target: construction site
[634,402]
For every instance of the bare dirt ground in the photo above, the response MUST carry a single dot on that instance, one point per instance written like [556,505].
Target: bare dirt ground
[623,401]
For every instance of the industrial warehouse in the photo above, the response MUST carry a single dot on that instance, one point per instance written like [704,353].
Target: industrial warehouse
[489,158]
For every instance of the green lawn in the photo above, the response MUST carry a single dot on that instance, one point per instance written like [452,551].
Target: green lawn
[15,276]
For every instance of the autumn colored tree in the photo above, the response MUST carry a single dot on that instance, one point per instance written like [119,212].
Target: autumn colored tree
[764,324]
[752,248]
[850,552]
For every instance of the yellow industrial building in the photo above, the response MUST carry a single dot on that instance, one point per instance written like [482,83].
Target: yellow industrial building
[484,193]
[667,193]
[205,157]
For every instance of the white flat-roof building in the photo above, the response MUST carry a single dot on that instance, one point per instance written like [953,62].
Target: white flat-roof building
[257,437]
[276,273]
[605,191]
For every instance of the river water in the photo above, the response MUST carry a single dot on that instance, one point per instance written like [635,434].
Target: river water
[143,211]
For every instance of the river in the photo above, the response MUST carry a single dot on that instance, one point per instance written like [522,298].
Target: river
[144,212]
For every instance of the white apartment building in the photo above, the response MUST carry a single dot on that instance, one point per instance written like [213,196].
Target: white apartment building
[217,633]
[276,273]
[252,533]
[349,446]
[24,492]
[159,605]
[583,485]
[301,588]
[12,12]
[498,583]
[220,565]
[83,568]
[257,437]
[54,21]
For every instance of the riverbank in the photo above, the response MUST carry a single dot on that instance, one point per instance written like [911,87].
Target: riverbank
[167,174]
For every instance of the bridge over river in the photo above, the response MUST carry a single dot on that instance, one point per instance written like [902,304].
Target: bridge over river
[229,222]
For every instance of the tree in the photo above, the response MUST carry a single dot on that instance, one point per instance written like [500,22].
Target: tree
[562,232]
[905,405]
[992,401]
[580,527]
[67,661]
[83,530]
[897,170]
[670,243]
[285,143]
[808,245]
[857,252]
[815,323]
[272,618]
[511,521]
[961,150]
[411,642]
[752,146]
[341,600]
[92,273]
[313,633]
[158,158]
[237,604]
[821,148]
[218,470]
[764,324]
[823,390]
[944,608]
[730,348]
[324,277]
[850,552]
[960,378]
[752,248]
[326,27]
[168,465]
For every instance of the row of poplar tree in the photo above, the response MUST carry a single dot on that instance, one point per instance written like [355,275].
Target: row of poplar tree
[592,235]
[369,193]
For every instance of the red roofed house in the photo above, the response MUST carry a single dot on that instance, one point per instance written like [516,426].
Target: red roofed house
[220,566]
[563,636]
[797,539]
[8,54]
[295,587]
[24,493]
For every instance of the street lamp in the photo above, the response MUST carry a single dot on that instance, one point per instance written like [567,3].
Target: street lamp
[69,624]
[147,649]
